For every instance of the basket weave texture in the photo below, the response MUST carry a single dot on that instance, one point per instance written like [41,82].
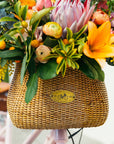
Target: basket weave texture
[3,102]
[89,109]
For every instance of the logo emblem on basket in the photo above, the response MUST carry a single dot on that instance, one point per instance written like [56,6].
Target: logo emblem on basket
[62,96]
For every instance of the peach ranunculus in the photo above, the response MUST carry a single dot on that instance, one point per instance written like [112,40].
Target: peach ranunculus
[100,44]
[43,3]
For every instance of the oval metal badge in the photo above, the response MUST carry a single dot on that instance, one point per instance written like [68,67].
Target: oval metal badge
[62,96]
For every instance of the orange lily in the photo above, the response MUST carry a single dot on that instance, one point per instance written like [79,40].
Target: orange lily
[100,42]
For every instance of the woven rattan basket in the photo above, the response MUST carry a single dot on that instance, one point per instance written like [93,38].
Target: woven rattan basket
[88,109]
[3,102]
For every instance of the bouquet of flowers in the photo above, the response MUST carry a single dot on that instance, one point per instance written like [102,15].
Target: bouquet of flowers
[48,37]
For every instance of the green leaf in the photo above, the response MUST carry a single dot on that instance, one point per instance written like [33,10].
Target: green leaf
[52,56]
[11,53]
[64,69]
[2,38]
[98,69]
[91,68]
[69,62]
[73,52]
[35,25]
[23,69]
[50,42]
[60,53]
[3,62]
[24,12]
[11,32]
[60,66]
[19,43]
[48,70]
[40,14]
[32,87]
[28,41]
[69,33]
[78,34]
[17,8]
[76,65]
[3,4]
[62,45]
[4,19]
[6,79]
[17,25]
[31,66]
[76,56]
[8,37]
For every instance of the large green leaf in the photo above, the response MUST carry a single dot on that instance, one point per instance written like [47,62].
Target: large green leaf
[40,14]
[91,68]
[31,66]
[48,70]
[11,53]
[34,26]
[7,19]
[24,12]
[17,8]
[50,42]
[32,87]
[23,69]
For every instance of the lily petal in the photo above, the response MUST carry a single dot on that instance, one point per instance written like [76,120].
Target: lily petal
[103,35]
[92,28]
[103,52]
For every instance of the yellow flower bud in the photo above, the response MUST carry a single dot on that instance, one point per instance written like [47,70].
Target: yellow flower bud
[52,29]
[24,24]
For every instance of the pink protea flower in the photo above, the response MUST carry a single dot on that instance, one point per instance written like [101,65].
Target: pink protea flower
[43,3]
[72,14]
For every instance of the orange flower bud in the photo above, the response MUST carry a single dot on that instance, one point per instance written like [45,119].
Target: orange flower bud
[11,48]
[2,45]
[65,41]
[35,43]
[59,59]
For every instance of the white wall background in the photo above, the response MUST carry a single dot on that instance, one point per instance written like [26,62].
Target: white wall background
[105,133]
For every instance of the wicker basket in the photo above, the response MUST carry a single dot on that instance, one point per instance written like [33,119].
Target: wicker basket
[3,102]
[88,109]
